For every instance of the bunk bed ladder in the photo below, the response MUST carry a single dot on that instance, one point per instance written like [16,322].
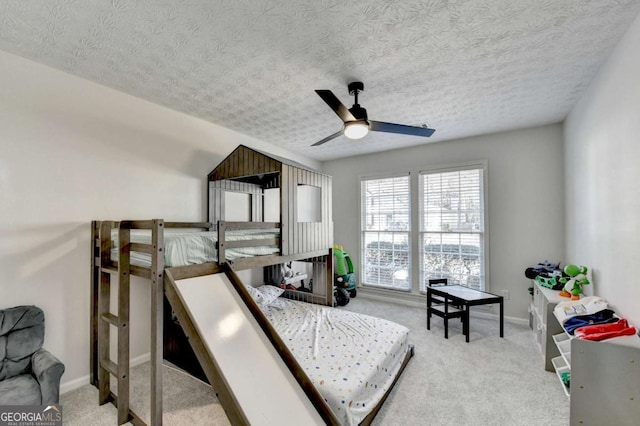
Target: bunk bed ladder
[102,268]
[106,367]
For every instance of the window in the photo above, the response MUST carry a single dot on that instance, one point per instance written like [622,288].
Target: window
[452,226]
[237,206]
[309,203]
[386,219]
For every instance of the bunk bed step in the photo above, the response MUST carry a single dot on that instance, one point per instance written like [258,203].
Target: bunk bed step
[110,366]
[140,271]
[110,318]
[111,269]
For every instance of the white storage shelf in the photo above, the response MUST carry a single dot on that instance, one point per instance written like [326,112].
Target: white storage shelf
[562,363]
[604,378]
[561,367]
[544,323]
[563,343]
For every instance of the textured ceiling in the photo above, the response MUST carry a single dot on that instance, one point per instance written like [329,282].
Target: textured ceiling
[462,67]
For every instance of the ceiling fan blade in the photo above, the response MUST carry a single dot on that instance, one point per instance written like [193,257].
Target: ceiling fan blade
[328,138]
[381,126]
[335,104]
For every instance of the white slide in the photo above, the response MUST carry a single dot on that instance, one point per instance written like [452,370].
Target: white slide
[259,380]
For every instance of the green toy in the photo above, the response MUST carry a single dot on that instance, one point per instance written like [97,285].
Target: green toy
[573,284]
[344,277]
[344,265]
[552,282]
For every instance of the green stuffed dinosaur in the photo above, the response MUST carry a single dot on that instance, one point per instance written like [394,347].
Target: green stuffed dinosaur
[573,284]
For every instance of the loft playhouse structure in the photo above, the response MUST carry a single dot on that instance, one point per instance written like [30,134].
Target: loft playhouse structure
[203,317]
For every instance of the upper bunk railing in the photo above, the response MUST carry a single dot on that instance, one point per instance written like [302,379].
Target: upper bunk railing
[103,232]
[222,245]
[106,244]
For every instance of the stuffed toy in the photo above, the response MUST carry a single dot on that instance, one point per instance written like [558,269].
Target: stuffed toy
[577,277]
[550,281]
[546,274]
[543,268]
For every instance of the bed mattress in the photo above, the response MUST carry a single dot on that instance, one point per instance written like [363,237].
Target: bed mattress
[193,248]
[352,359]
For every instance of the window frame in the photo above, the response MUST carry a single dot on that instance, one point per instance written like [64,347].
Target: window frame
[364,221]
[484,235]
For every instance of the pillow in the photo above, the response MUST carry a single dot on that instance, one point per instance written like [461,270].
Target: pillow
[255,294]
[279,303]
[269,293]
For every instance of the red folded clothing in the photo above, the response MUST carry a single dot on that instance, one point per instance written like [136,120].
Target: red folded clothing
[605,331]
[603,328]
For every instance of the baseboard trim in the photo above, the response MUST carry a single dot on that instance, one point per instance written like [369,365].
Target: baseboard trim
[74,384]
[419,301]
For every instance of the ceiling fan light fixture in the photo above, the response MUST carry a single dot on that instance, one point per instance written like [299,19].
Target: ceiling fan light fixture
[356,129]
[356,122]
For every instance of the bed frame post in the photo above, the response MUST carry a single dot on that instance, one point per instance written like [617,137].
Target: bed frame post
[124,298]
[103,302]
[329,281]
[95,280]
[157,292]
[222,255]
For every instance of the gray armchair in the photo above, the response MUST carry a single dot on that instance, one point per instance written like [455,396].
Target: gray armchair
[29,375]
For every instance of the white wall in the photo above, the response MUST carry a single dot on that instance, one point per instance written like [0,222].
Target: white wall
[525,205]
[72,151]
[602,163]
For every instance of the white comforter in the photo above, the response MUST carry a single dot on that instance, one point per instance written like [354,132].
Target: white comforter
[352,359]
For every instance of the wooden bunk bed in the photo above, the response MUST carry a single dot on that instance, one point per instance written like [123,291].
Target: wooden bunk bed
[117,249]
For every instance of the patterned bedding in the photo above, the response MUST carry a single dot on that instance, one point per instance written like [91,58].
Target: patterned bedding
[193,248]
[352,359]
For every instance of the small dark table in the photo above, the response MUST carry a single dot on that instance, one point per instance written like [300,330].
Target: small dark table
[464,297]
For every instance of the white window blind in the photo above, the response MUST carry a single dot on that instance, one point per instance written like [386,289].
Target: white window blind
[386,224]
[452,227]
